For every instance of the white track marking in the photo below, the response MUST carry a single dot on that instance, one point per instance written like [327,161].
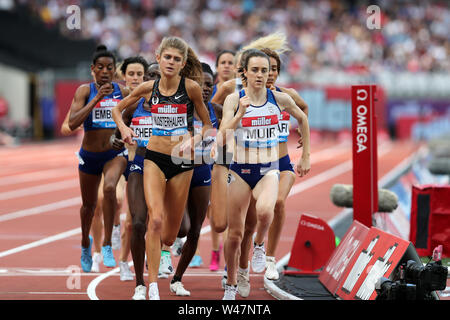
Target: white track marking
[335,171]
[330,173]
[41,242]
[36,176]
[43,188]
[41,209]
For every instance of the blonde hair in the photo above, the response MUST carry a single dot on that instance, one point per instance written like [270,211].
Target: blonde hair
[118,75]
[273,45]
[276,41]
[193,67]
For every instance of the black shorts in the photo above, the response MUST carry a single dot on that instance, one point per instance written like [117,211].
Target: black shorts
[170,166]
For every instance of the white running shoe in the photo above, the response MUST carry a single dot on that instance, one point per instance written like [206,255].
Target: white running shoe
[178,288]
[153,292]
[97,258]
[259,258]
[177,246]
[243,283]
[230,292]
[125,272]
[224,278]
[271,269]
[139,292]
[115,238]
[165,264]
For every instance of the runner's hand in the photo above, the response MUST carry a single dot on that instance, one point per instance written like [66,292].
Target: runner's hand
[244,102]
[127,135]
[105,90]
[303,166]
[116,143]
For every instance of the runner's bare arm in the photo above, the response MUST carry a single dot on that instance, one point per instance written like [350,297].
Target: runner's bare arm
[78,110]
[195,94]
[218,111]
[283,99]
[297,99]
[143,90]
[65,130]
[230,120]
[225,89]
[301,104]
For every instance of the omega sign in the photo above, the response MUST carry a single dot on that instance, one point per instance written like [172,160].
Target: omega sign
[361,122]
[364,153]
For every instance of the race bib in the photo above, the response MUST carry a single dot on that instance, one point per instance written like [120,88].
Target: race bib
[283,126]
[259,132]
[203,148]
[142,127]
[102,113]
[169,120]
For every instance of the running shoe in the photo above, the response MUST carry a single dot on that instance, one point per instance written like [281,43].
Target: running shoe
[115,238]
[165,264]
[196,262]
[96,260]
[139,292]
[125,272]
[153,292]
[271,269]
[177,246]
[243,282]
[259,258]
[178,288]
[108,257]
[230,292]
[86,258]
[215,260]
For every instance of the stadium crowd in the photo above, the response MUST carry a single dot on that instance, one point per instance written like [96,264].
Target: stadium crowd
[326,33]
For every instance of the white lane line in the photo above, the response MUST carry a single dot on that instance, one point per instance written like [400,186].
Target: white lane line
[37,175]
[44,293]
[303,186]
[96,281]
[93,284]
[43,188]
[331,173]
[325,154]
[41,209]
[41,242]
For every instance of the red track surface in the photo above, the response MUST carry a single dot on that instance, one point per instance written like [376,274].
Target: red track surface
[40,235]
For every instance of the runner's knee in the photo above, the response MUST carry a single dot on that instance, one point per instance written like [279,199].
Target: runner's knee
[139,227]
[218,225]
[264,213]
[279,207]
[155,224]
[234,239]
[109,190]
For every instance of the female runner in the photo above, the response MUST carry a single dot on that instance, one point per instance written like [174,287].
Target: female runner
[199,191]
[254,112]
[168,160]
[91,107]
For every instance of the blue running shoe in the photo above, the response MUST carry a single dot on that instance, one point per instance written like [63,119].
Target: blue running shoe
[108,257]
[196,262]
[86,258]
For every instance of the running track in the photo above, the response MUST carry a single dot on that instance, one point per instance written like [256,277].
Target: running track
[40,225]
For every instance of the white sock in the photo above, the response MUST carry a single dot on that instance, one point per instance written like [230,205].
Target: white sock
[153,285]
[243,270]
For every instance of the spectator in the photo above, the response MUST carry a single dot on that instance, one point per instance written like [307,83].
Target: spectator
[323,34]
